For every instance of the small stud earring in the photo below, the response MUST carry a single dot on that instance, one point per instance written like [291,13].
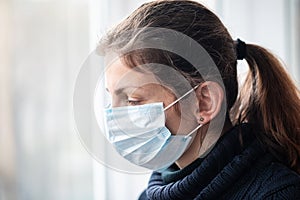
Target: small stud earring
[201,119]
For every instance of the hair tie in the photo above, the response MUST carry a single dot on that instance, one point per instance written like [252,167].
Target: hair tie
[241,50]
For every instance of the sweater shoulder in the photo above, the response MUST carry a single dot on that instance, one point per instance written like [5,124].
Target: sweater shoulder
[276,181]
[143,196]
[266,180]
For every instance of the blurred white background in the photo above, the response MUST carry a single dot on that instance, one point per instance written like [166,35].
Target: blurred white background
[42,46]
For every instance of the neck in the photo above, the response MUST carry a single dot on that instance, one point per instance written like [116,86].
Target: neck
[192,153]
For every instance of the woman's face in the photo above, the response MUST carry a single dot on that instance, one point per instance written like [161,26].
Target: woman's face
[129,87]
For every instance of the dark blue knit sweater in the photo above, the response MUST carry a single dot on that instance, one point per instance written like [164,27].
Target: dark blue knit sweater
[239,167]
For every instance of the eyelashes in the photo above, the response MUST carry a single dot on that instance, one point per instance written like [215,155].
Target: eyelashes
[133,102]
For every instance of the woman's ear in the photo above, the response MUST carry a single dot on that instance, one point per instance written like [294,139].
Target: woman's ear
[210,96]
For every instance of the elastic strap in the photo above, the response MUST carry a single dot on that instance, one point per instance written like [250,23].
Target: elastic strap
[241,49]
[171,104]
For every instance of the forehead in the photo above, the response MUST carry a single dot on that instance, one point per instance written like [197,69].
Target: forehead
[117,75]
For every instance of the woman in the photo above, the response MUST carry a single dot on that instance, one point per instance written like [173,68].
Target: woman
[219,145]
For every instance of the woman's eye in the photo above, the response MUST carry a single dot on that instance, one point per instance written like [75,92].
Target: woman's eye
[133,102]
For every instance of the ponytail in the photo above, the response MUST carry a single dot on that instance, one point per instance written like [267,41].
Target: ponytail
[273,105]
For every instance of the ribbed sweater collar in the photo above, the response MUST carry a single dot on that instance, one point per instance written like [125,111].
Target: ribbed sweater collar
[234,153]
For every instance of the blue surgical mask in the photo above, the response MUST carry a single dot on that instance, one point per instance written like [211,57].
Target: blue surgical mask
[138,133]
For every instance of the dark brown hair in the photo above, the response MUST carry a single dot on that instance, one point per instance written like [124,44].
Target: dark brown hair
[268,98]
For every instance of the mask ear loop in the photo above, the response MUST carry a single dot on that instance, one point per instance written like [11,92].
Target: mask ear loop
[195,129]
[171,104]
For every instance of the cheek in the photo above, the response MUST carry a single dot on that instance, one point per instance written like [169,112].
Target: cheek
[173,120]
[180,120]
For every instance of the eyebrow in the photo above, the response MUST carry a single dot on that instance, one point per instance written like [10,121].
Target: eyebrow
[121,90]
